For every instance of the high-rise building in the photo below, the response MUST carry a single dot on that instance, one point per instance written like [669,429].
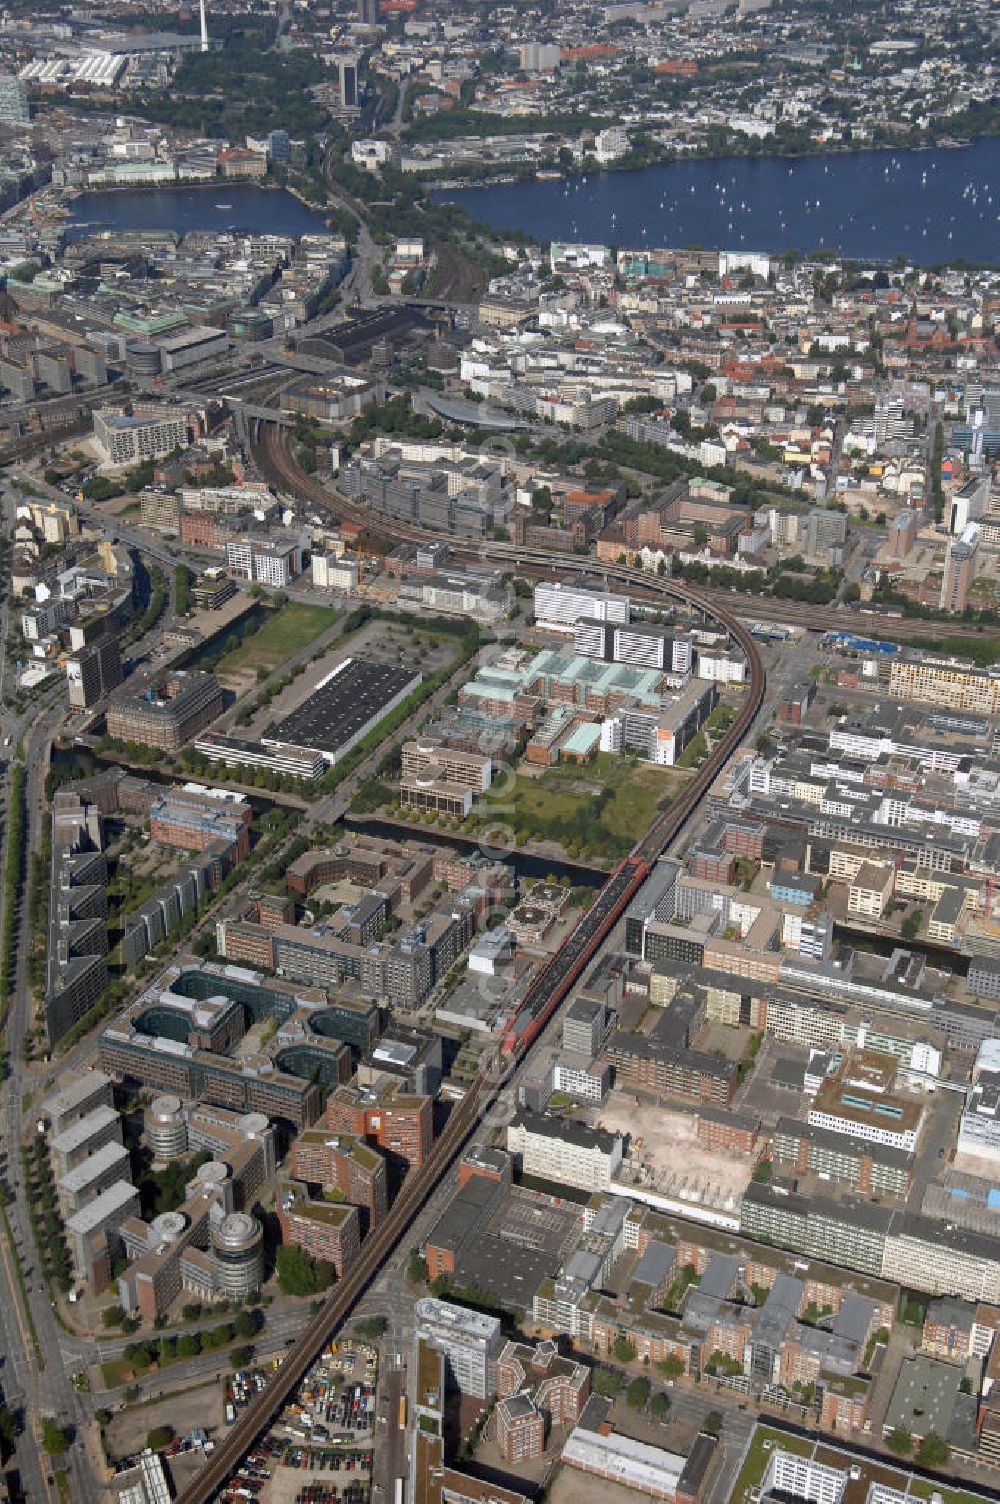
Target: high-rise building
[14,100]
[469,1340]
[960,569]
[348,69]
[368,12]
[92,673]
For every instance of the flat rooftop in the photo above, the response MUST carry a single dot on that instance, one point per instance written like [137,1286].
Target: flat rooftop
[342,707]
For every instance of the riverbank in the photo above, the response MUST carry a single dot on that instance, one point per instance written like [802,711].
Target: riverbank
[537,864]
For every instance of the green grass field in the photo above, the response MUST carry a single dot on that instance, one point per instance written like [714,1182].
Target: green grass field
[756,1458]
[288,630]
[598,811]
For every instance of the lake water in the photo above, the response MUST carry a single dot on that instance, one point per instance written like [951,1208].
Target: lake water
[930,205]
[215,206]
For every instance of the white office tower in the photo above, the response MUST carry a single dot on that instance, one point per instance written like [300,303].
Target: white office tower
[204,28]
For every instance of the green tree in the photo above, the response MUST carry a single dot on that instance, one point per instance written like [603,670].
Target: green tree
[159,1437]
[240,1357]
[899,1442]
[605,1382]
[54,1438]
[911,924]
[933,1452]
[672,1367]
[298,1274]
[659,1405]
[245,1325]
[183,580]
[637,1393]
[712,1423]
[622,1350]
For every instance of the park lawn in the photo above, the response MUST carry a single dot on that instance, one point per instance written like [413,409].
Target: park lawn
[286,631]
[922,1488]
[604,827]
[118,1371]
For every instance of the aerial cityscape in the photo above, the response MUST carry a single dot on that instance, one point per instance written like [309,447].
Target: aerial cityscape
[499,752]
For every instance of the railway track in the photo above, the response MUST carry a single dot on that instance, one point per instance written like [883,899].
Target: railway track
[546,993]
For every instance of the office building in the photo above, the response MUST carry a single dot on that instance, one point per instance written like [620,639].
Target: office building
[237,1246]
[427,759]
[399,1124]
[78,1096]
[954,683]
[627,1463]
[368,12]
[82,1138]
[469,1341]
[144,434]
[536,1389]
[93,673]
[268,561]
[13,101]
[565,1152]
[339,1162]
[559,606]
[788,1473]
[322,1229]
[960,569]
[192,818]
[347,69]
[165,711]
[93,1232]
[983,979]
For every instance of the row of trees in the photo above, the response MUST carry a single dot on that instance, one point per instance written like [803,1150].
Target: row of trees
[13,872]
[43,1210]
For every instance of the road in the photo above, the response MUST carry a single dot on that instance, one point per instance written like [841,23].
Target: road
[43,1387]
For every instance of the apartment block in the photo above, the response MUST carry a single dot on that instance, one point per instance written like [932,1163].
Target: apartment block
[565,1152]
[320,1228]
[348,1165]
[401,1125]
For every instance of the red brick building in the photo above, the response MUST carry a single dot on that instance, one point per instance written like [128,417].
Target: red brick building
[536,1389]
[348,1165]
[321,1229]
[401,1125]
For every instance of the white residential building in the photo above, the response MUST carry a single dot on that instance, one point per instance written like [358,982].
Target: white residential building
[129,439]
[565,1152]
[470,1341]
[559,606]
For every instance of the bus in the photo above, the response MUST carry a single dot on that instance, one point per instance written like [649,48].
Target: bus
[402,1412]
